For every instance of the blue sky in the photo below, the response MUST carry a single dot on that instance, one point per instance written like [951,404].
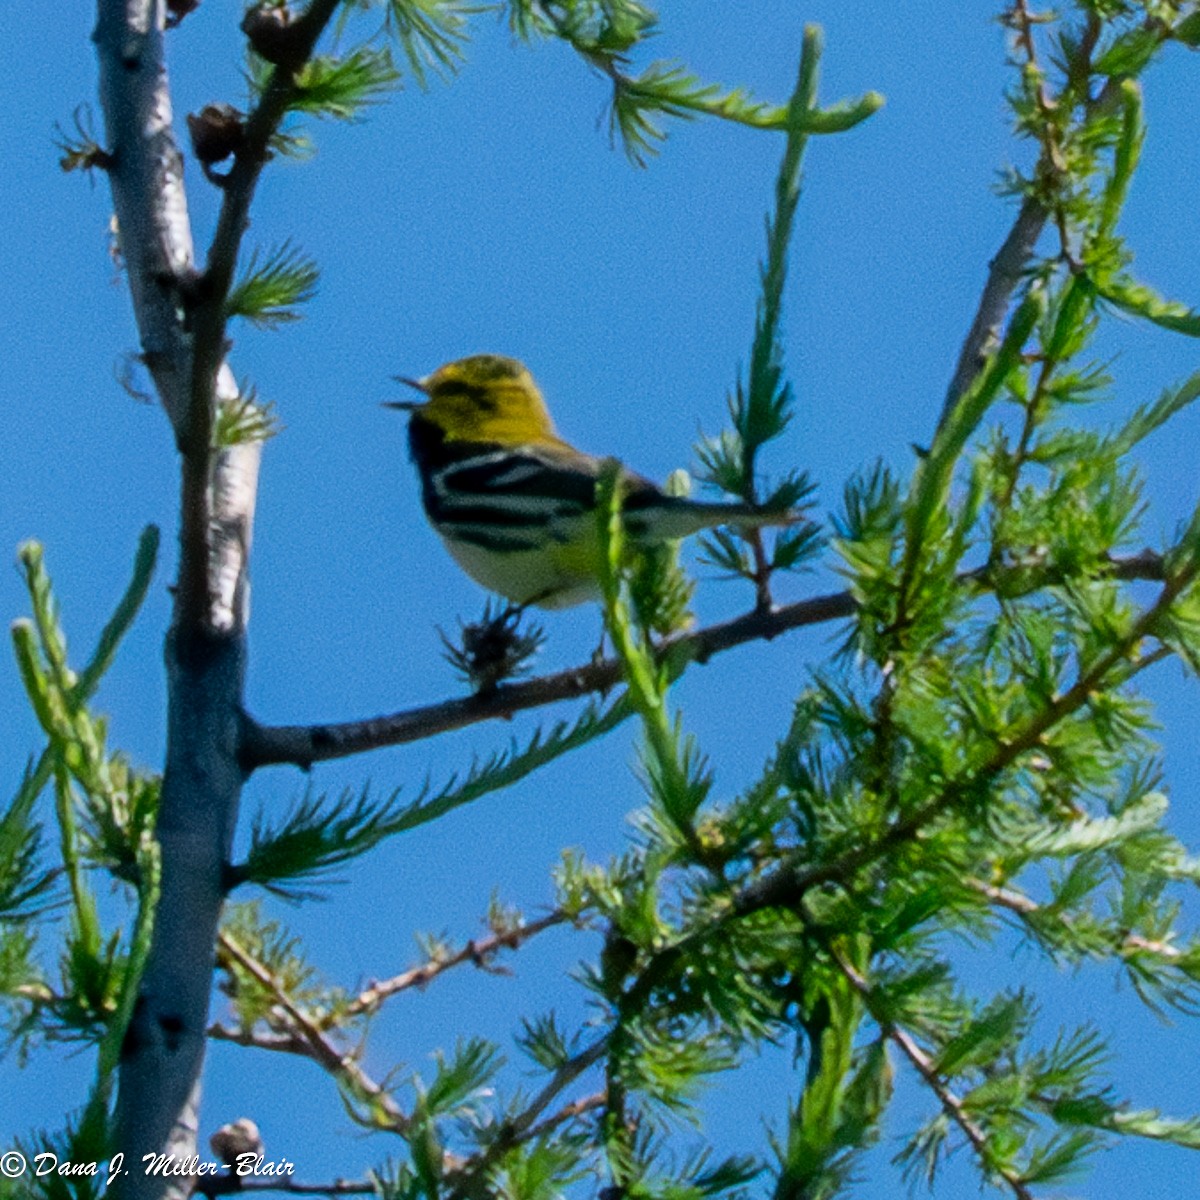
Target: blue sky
[492,214]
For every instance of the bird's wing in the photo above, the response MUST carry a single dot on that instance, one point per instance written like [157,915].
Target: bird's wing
[532,474]
[512,498]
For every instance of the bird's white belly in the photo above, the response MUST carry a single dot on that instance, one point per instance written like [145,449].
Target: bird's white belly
[524,577]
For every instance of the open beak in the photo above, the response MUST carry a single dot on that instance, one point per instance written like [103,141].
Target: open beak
[407,405]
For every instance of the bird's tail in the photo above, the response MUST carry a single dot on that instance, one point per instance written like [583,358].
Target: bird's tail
[672,517]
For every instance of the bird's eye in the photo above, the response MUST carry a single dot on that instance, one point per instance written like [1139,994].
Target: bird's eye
[478,396]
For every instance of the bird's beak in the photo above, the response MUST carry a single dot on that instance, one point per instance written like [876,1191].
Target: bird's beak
[407,405]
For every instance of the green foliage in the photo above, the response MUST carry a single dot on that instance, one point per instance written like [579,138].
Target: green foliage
[24,885]
[283,972]
[1149,417]
[1140,300]
[660,591]
[319,834]
[761,409]
[676,776]
[313,838]
[616,25]
[243,419]
[341,88]
[267,294]
[432,35]
[79,148]
[430,32]
[454,1089]
[932,782]
[845,1094]
[105,811]
[106,819]
[605,32]
[1188,30]
[972,767]
[76,1143]
[545,1042]
[669,89]
[981,756]
[538,1170]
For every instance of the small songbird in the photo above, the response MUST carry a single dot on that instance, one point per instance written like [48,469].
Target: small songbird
[514,503]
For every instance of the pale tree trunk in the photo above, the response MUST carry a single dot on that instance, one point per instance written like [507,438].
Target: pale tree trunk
[182,347]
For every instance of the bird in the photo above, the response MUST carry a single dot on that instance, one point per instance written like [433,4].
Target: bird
[514,503]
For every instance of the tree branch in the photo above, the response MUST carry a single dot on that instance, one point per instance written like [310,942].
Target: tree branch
[163,1051]
[304,745]
[231,530]
[1007,268]
[371,999]
[568,1112]
[339,1187]
[163,1048]
[1004,274]
[256,1039]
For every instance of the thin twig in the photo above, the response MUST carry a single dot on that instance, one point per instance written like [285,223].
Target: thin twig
[257,1039]
[1029,425]
[1027,908]
[762,573]
[1051,165]
[521,1124]
[951,1104]
[320,1049]
[339,1187]
[231,1183]
[477,951]
[522,1127]
[568,1112]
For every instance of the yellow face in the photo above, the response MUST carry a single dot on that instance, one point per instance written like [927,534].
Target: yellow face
[486,398]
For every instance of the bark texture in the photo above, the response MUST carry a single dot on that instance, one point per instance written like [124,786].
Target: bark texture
[157,1112]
